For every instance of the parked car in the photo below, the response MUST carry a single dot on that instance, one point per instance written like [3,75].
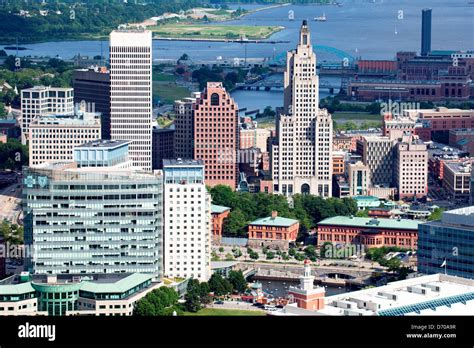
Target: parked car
[219,302]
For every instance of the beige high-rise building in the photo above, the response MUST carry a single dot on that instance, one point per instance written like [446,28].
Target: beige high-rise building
[377,154]
[359,179]
[40,101]
[302,156]
[411,167]
[54,137]
[131,92]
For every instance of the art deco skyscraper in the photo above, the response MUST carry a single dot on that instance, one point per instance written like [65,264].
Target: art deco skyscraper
[302,154]
[131,92]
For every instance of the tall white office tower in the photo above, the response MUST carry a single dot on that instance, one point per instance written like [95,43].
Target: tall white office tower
[302,154]
[187,220]
[131,92]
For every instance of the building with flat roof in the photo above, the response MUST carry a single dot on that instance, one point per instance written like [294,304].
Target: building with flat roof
[364,202]
[40,101]
[377,154]
[187,220]
[371,232]
[358,179]
[162,145]
[338,162]
[93,219]
[425,31]
[53,138]
[449,239]
[273,231]
[92,88]
[457,179]
[74,294]
[411,167]
[462,139]
[131,92]
[184,126]
[102,153]
[436,294]
[437,122]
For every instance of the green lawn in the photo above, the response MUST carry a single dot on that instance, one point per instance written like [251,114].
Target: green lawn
[266,122]
[355,116]
[162,77]
[168,92]
[205,31]
[218,312]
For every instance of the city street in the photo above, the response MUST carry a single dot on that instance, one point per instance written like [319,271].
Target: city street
[10,203]
[334,263]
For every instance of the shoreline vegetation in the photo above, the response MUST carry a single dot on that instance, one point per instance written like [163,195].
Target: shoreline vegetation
[36,23]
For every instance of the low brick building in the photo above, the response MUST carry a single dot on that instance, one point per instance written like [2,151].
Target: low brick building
[370,232]
[219,213]
[273,231]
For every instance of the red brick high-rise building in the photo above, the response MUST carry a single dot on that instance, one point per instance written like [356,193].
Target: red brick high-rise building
[216,135]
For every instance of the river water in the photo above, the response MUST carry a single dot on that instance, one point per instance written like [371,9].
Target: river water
[279,288]
[358,28]
[372,29]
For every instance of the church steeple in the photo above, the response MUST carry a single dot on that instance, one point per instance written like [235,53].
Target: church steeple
[305,36]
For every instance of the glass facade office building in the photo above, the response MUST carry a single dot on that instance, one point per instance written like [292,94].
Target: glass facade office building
[450,239]
[83,222]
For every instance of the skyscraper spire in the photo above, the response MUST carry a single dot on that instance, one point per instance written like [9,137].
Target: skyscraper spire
[305,36]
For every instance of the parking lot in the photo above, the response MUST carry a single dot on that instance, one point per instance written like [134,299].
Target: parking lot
[10,203]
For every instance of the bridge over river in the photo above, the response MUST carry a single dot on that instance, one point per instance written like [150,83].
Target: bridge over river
[334,275]
[269,84]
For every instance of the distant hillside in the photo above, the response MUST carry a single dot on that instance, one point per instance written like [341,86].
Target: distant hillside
[68,19]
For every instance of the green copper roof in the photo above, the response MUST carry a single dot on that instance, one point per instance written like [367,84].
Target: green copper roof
[217,209]
[275,222]
[404,224]
[16,289]
[121,286]
[366,198]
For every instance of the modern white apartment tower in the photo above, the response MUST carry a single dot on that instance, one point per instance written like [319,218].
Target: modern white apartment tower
[187,216]
[302,156]
[131,92]
[44,100]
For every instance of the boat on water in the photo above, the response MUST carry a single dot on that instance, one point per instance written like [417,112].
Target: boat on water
[321,18]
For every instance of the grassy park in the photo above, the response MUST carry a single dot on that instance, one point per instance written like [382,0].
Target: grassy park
[355,116]
[218,32]
[165,88]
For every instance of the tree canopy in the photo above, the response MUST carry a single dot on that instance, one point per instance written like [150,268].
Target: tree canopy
[247,207]
[159,302]
[219,285]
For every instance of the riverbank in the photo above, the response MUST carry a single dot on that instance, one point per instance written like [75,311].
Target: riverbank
[213,32]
